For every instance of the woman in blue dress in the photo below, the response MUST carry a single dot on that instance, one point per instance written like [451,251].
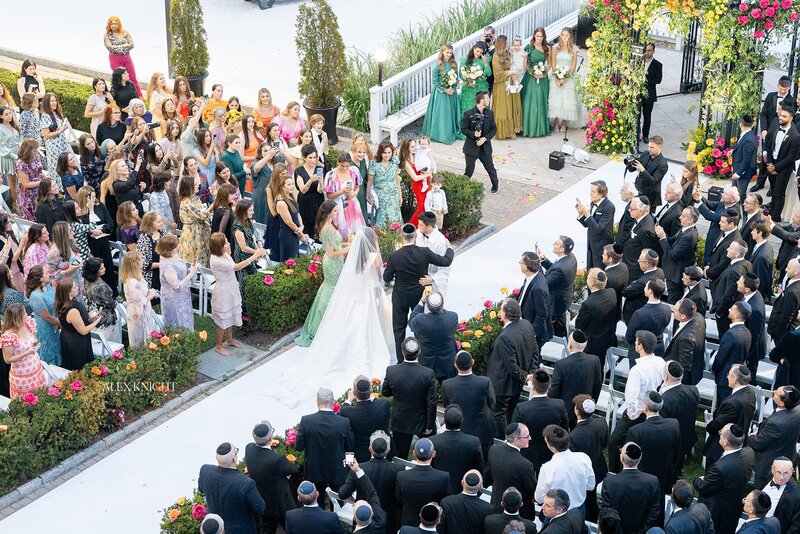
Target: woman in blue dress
[42,299]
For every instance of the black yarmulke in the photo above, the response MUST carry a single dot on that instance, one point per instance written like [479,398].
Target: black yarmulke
[633,451]
[737,431]
[655,396]
[224,449]
[511,428]
[764,501]
[260,431]
[512,499]
[579,336]
[463,358]
[472,480]
[379,446]
[210,526]
[363,386]
[541,377]
[429,513]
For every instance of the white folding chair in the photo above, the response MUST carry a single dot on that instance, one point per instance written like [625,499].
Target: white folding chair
[207,289]
[554,350]
[118,251]
[341,507]
[103,348]
[54,372]
[4,402]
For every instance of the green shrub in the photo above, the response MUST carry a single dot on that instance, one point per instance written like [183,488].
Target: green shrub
[701,250]
[320,49]
[17,452]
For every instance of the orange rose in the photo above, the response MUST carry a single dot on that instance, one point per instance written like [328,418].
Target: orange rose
[488,328]
[68,395]
[96,370]
[59,384]
[174,514]
[468,333]
[291,458]
[152,346]
[288,271]
[478,316]
[3,428]
[165,341]
[176,336]
[203,335]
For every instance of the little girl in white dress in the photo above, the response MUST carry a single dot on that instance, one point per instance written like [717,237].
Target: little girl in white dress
[519,60]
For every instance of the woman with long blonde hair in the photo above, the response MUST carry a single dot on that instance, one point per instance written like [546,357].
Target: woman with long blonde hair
[20,350]
[157,93]
[137,297]
[563,99]
[119,44]
[443,118]
[264,113]
[507,107]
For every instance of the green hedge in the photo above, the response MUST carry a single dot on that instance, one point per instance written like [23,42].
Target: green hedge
[73,96]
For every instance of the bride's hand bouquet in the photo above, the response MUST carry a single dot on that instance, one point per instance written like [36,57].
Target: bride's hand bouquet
[449,80]
[471,74]
[539,69]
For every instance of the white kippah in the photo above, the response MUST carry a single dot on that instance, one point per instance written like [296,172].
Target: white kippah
[588,406]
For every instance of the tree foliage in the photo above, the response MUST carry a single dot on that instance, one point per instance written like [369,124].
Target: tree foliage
[189,54]
[323,68]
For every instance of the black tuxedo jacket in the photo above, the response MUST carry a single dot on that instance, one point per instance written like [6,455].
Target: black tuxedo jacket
[634,293]
[762,260]
[496,523]
[660,440]
[695,519]
[699,361]
[514,356]
[737,408]
[723,289]
[788,509]
[654,318]
[311,519]
[626,222]
[718,260]
[596,318]
[733,348]
[789,236]
[712,211]
[756,324]
[678,252]
[463,514]
[680,403]
[652,78]
[406,266]
[746,229]
[617,280]
[535,305]
[232,495]
[475,395]
[699,296]
[744,156]
[488,128]
[590,436]
[365,418]
[788,153]
[762,525]
[383,475]
[536,414]
[784,312]
[788,351]
[569,523]
[380,522]
[648,182]
[560,276]
[417,487]
[668,218]
[269,471]
[413,387]
[456,453]
[683,347]
[577,373]
[723,487]
[777,436]
[507,467]
[769,110]
[599,230]
[636,496]
[436,335]
[642,236]
[325,437]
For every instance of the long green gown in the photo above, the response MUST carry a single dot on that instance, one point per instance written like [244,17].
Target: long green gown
[443,118]
[468,93]
[260,184]
[331,268]
[534,98]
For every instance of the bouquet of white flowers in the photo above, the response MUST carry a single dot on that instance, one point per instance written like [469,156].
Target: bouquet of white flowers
[449,80]
[539,68]
[561,73]
[471,74]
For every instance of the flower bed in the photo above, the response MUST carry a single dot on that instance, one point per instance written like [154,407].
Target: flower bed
[713,158]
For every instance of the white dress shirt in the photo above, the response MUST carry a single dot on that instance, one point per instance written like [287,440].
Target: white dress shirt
[527,284]
[437,242]
[569,471]
[774,494]
[645,376]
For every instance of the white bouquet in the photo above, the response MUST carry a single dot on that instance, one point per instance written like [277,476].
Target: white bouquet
[471,74]
[449,80]
[539,68]
[561,73]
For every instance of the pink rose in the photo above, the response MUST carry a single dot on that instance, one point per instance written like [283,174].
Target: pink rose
[156,334]
[458,345]
[103,370]
[600,135]
[756,13]
[725,170]
[53,391]
[515,292]
[718,163]
[769,12]
[763,3]
[76,386]
[786,4]
[198,511]
[743,7]
[291,436]
[717,153]
[317,259]
[599,122]
[793,16]
[743,20]
[117,355]
[462,327]
[606,3]
[758,34]
[313,268]
[708,169]
[336,407]
[290,262]
[394,226]
[447,235]
[769,25]
[30,399]
[268,280]
[720,142]
[488,304]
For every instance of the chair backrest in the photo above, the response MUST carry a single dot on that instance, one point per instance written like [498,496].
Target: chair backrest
[405,463]
[711,351]
[105,348]
[615,371]
[763,406]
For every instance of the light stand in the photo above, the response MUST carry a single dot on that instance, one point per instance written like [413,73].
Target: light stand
[380,57]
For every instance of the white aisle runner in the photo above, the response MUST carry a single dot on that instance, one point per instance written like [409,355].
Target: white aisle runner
[124,491]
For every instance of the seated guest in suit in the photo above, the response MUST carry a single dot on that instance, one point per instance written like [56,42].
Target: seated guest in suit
[229,493]
[689,517]
[537,413]
[785,495]
[751,215]
[762,258]
[733,348]
[777,435]
[756,323]
[724,289]
[678,250]
[784,311]
[456,452]
[694,289]
[667,217]
[756,505]
[311,518]
[366,415]
[635,495]
[413,387]
[420,485]
[594,313]
[738,408]
[566,470]
[787,355]
[642,236]
[616,273]
[712,211]
[436,333]
[514,356]
[324,436]
[655,316]
[590,436]
[723,485]
[510,503]
[560,518]
[270,471]
[598,218]
[577,373]
[475,396]
[680,402]
[634,292]
[685,347]
[718,259]
[534,298]
[465,512]
[429,517]
[506,468]
[560,276]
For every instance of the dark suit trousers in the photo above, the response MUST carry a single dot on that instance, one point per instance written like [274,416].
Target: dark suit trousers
[401,444]
[763,176]
[674,291]
[779,194]
[647,114]
[269,525]
[401,307]
[488,164]
[503,410]
[618,439]
[559,326]
[723,323]
[741,185]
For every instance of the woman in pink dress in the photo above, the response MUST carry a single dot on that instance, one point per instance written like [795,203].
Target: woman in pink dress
[20,350]
[119,44]
[420,181]
[36,245]
[292,125]
[341,185]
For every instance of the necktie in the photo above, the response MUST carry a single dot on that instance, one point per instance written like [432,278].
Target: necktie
[522,290]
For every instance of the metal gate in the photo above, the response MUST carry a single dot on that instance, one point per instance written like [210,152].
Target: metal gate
[692,64]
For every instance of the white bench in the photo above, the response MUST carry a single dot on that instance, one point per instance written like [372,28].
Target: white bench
[395,122]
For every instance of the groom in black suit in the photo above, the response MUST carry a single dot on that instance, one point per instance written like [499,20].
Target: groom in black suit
[478,127]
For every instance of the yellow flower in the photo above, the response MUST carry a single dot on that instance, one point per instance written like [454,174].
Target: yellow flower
[478,333]
[466,346]
[478,316]
[174,514]
[291,458]
[203,335]
[181,501]
[96,370]
[375,395]
[709,142]
[3,428]
[504,290]
[288,271]
[176,336]
[492,315]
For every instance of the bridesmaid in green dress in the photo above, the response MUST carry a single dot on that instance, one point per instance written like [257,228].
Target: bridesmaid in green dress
[536,88]
[475,58]
[332,263]
[443,118]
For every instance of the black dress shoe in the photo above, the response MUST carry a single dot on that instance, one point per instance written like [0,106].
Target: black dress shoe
[769,193]
[493,190]
[756,187]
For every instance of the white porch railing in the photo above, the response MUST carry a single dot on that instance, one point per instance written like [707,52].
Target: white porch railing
[414,83]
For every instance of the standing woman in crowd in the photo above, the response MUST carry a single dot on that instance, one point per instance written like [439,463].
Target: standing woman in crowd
[10,143]
[420,181]
[223,175]
[214,103]
[8,293]
[296,152]
[563,100]
[264,113]
[152,232]
[191,169]
[35,246]
[123,90]
[443,118]
[384,179]
[29,122]
[319,136]
[342,184]
[222,212]
[63,260]
[171,142]
[29,80]
[42,299]
[49,205]
[169,113]
[69,171]
[291,124]
[161,199]
[92,212]
[96,104]
[196,221]
[290,225]
[361,137]
[279,175]
[205,155]
[30,173]
[308,181]
[10,252]
[359,160]
[507,107]
[112,126]
[137,296]
[158,161]
[689,181]
[128,224]
[20,350]
[226,301]
[184,97]
[6,100]
[80,230]
[127,187]
[76,326]
[92,161]
[119,44]
[233,159]
[100,299]
[474,70]
[244,239]
[262,175]
[275,140]
[176,279]
[157,93]
[233,116]
[248,149]
[53,126]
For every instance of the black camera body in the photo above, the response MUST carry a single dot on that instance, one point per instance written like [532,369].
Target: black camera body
[630,162]
[476,122]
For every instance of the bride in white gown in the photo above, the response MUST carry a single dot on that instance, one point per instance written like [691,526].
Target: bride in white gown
[355,336]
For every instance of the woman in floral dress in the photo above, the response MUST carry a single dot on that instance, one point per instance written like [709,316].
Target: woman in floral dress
[196,221]
[476,62]
[342,184]
[29,173]
[36,244]
[63,259]
[20,347]
[176,279]
[384,179]
[42,299]
[137,297]
[54,124]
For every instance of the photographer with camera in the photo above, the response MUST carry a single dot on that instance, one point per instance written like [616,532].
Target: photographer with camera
[652,167]
[478,127]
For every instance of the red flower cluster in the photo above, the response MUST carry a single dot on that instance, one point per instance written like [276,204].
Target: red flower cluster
[766,14]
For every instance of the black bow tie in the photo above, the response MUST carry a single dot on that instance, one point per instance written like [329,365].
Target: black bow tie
[425,236]
[772,483]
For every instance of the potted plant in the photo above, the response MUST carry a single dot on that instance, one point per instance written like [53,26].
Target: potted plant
[323,68]
[189,53]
